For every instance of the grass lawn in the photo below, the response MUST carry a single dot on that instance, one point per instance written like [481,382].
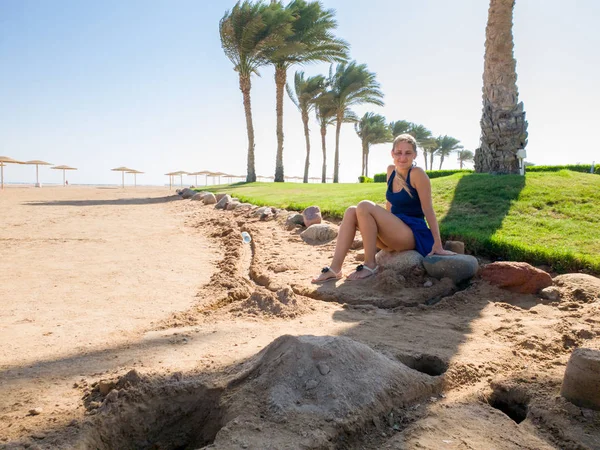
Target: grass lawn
[544,218]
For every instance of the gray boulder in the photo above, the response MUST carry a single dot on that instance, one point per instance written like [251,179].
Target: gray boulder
[399,262]
[319,234]
[187,193]
[209,199]
[223,201]
[456,267]
[293,220]
[198,197]
[220,196]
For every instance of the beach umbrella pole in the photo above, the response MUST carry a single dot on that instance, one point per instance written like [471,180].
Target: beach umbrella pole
[64,177]
[37,176]
[2,174]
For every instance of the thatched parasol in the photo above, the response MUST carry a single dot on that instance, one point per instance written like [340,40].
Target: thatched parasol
[63,168]
[202,172]
[180,173]
[218,174]
[38,163]
[6,159]
[134,172]
[315,178]
[122,170]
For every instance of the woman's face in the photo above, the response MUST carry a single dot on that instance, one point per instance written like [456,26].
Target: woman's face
[403,155]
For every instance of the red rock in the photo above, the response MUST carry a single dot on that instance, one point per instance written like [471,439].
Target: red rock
[517,277]
[312,216]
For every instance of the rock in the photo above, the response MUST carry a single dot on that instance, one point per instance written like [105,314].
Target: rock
[232,205]
[312,216]
[318,234]
[198,196]
[187,193]
[357,244]
[581,383]
[456,267]
[221,195]
[455,246]
[105,386]
[243,206]
[260,211]
[311,384]
[293,220]
[551,293]
[35,411]
[517,277]
[323,368]
[223,201]
[399,262]
[209,199]
[428,283]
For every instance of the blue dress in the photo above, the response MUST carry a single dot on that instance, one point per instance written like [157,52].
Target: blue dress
[408,209]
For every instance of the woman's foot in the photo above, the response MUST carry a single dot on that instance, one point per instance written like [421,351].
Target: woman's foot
[327,273]
[362,271]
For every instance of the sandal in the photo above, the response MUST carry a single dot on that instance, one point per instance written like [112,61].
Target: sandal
[327,269]
[370,271]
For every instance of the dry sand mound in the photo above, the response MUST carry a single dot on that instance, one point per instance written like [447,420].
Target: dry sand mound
[283,303]
[578,287]
[307,390]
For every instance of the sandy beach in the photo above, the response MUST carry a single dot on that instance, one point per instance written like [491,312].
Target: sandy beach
[97,282]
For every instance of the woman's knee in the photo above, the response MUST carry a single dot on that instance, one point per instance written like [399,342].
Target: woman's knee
[364,206]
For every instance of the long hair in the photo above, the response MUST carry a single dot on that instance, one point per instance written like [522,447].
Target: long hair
[412,141]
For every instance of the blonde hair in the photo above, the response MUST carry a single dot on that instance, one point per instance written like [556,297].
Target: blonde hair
[413,142]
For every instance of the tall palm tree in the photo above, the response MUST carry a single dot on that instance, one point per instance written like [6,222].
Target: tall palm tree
[430,147]
[250,32]
[503,124]
[351,84]
[448,145]
[464,156]
[424,140]
[399,127]
[371,129]
[311,41]
[304,95]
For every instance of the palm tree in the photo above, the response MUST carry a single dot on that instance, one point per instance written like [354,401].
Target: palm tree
[371,129]
[250,32]
[304,96]
[448,145]
[503,124]
[325,112]
[430,147]
[351,84]
[464,156]
[423,137]
[311,41]
[399,127]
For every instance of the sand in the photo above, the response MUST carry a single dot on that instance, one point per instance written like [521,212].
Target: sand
[97,282]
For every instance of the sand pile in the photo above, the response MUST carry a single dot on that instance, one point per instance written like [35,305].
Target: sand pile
[283,304]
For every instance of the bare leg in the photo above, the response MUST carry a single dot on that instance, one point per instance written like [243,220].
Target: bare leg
[378,225]
[346,235]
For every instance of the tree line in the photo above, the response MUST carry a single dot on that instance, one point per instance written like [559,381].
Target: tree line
[258,34]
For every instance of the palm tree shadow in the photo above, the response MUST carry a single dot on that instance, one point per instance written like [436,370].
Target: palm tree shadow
[480,204]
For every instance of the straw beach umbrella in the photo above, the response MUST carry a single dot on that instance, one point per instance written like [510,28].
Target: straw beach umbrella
[134,172]
[63,168]
[219,174]
[122,170]
[3,160]
[180,173]
[202,172]
[38,163]
[170,175]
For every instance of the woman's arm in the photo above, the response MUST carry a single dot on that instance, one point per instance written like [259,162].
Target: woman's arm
[390,169]
[422,184]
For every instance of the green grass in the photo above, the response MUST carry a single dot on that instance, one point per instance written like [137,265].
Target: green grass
[545,218]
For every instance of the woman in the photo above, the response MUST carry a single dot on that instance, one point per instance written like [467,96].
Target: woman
[400,227]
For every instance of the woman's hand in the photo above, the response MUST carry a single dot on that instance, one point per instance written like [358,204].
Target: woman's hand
[439,250]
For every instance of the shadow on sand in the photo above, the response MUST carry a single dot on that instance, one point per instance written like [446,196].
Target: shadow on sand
[111,202]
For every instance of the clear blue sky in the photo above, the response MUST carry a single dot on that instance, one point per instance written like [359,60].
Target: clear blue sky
[145,84]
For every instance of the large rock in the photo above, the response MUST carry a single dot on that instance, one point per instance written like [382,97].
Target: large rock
[209,199]
[456,267]
[318,234]
[198,197]
[517,277]
[581,384]
[293,220]
[223,201]
[258,212]
[399,262]
[312,216]
[187,193]
[220,196]
[455,246]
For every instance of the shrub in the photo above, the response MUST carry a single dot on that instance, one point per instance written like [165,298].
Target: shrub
[584,168]
[379,177]
[446,173]
[363,179]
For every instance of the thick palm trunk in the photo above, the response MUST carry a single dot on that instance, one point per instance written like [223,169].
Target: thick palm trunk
[336,158]
[324,147]
[367,162]
[503,124]
[280,78]
[430,160]
[245,86]
[441,161]
[425,158]
[307,139]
